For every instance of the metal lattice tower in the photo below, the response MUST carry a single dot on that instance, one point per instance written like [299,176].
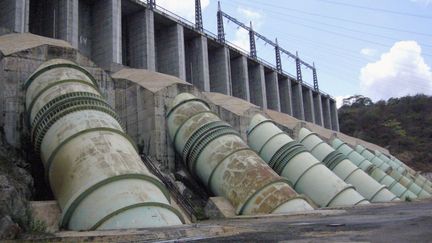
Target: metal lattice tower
[198,15]
[220,24]
[279,51]
[315,78]
[253,51]
[298,69]
[151,4]
[278,57]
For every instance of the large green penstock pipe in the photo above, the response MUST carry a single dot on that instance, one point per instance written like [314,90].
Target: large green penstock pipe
[94,171]
[215,153]
[393,164]
[412,174]
[344,168]
[403,180]
[375,172]
[293,161]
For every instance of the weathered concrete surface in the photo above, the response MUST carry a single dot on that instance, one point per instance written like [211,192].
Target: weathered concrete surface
[142,98]
[235,111]
[394,222]
[47,213]
[21,55]
[238,112]
[13,43]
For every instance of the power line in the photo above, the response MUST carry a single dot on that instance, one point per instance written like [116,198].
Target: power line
[352,30]
[337,18]
[347,53]
[350,77]
[342,34]
[376,9]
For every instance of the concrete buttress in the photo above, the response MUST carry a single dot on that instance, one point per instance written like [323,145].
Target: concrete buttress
[92,166]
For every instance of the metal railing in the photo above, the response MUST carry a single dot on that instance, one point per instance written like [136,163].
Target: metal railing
[186,23]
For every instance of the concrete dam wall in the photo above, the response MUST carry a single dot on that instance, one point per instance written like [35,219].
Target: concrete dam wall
[115,33]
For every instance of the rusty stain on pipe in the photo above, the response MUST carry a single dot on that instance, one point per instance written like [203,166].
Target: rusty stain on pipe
[215,153]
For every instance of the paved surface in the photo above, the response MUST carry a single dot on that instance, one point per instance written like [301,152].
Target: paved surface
[397,222]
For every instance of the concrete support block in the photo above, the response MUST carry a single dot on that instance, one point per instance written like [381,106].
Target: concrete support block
[141,51]
[334,115]
[220,71]
[48,213]
[197,63]
[68,21]
[106,41]
[297,100]
[240,78]
[219,208]
[308,104]
[326,112]
[318,108]
[272,91]
[285,95]
[14,15]
[257,89]
[170,51]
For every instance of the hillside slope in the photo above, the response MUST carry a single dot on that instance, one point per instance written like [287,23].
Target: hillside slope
[402,125]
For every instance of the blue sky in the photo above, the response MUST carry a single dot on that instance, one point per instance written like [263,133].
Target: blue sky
[379,49]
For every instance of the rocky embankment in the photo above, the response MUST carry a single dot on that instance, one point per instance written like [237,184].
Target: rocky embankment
[16,186]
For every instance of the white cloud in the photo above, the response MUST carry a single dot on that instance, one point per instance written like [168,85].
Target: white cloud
[369,52]
[184,8]
[399,72]
[422,2]
[248,13]
[241,38]
[339,100]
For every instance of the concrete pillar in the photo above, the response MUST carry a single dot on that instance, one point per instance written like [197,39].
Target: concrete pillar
[318,108]
[220,71]
[326,112]
[257,87]
[197,64]
[240,78]
[141,51]
[14,15]
[106,41]
[68,21]
[308,104]
[170,51]
[84,28]
[297,100]
[334,115]
[272,90]
[285,95]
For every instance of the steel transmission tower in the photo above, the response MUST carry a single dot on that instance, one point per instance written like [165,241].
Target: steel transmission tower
[198,16]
